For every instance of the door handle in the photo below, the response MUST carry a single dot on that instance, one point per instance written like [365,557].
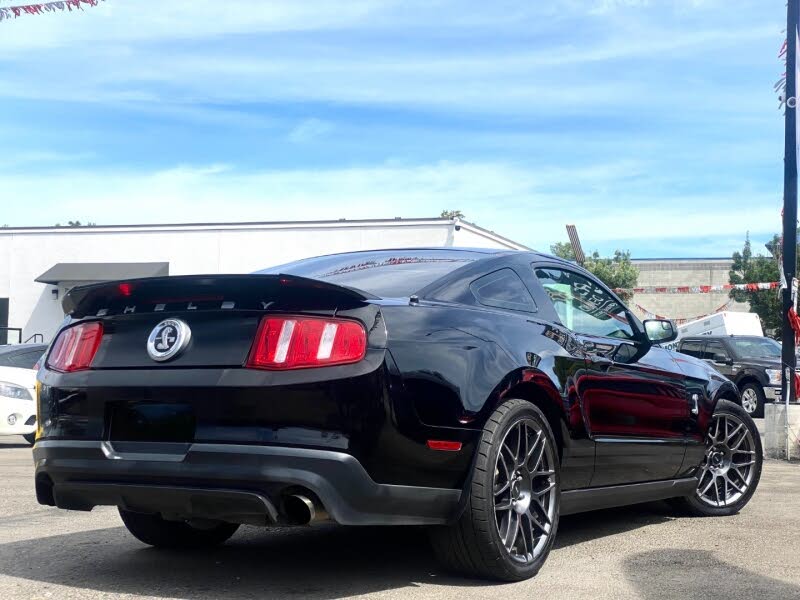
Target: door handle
[694,403]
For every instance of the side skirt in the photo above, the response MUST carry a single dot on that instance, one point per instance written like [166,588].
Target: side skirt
[577,501]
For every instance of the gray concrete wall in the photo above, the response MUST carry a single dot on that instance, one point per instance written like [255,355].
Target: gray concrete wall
[775,431]
[680,272]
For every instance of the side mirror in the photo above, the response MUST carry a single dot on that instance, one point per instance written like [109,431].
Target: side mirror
[660,331]
[722,359]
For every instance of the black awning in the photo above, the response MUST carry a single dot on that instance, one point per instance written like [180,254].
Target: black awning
[95,272]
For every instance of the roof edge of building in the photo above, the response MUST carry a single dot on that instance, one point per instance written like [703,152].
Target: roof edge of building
[397,221]
[490,234]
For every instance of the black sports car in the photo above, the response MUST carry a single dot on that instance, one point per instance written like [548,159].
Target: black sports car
[483,393]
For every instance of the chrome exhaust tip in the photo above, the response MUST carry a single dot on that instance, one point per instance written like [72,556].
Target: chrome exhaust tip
[301,510]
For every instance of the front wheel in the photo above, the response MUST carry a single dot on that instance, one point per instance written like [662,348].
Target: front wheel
[731,467]
[511,515]
[156,531]
[753,400]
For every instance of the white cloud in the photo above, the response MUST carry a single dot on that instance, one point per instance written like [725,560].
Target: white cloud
[185,53]
[153,20]
[308,130]
[522,203]
[605,6]
[245,65]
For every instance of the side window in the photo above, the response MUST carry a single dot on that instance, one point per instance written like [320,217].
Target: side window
[692,348]
[503,289]
[714,351]
[583,306]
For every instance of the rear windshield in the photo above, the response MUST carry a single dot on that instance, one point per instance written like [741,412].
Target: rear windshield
[385,273]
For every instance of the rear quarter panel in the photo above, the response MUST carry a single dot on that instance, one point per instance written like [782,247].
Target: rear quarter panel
[456,364]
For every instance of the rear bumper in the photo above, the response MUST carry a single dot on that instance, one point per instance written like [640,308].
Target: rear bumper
[237,483]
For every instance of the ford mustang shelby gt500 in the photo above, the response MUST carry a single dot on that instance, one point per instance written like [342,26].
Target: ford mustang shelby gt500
[482,393]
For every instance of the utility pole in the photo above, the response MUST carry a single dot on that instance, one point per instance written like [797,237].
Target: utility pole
[575,241]
[790,207]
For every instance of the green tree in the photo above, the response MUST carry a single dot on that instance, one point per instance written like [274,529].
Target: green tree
[452,214]
[749,268]
[563,250]
[78,224]
[616,272]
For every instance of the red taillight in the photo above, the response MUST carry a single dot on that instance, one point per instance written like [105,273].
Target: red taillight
[444,445]
[75,347]
[299,342]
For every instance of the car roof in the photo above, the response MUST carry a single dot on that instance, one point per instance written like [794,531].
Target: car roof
[475,259]
[489,252]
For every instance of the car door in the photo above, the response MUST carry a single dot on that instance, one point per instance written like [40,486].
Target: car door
[632,394]
[718,356]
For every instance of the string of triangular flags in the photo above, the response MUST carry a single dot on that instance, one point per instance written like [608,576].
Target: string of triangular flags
[651,315]
[701,289]
[780,85]
[8,12]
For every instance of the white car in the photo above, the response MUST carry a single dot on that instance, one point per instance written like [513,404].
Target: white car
[18,389]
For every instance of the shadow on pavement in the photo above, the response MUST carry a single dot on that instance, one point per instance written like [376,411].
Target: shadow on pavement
[322,562]
[9,445]
[574,529]
[672,573]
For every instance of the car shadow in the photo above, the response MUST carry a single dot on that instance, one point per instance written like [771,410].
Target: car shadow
[11,445]
[325,561]
[583,527]
[685,573]
[15,441]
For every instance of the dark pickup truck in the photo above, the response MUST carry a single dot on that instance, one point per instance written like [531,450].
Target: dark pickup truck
[752,362]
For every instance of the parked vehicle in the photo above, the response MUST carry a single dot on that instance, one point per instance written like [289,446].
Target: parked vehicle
[721,323]
[482,393]
[18,389]
[753,362]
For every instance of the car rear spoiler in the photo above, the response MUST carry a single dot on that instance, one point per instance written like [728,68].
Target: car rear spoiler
[254,291]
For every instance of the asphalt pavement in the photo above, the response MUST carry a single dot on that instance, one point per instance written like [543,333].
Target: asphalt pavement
[636,552]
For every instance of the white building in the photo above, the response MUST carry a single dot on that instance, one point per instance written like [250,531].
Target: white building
[39,264]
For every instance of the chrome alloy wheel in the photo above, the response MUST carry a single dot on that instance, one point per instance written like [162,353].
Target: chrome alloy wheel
[728,468]
[524,490]
[749,400]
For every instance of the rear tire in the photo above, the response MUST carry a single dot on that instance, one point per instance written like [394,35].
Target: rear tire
[156,531]
[30,438]
[753,400]
[731,469]
[511,515]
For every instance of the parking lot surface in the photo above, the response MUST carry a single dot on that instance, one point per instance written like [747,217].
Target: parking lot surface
[636,552]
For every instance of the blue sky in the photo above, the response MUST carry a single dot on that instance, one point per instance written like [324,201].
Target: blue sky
[651,125]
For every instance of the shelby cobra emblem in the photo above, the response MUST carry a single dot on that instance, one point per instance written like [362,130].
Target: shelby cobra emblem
[168,339]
